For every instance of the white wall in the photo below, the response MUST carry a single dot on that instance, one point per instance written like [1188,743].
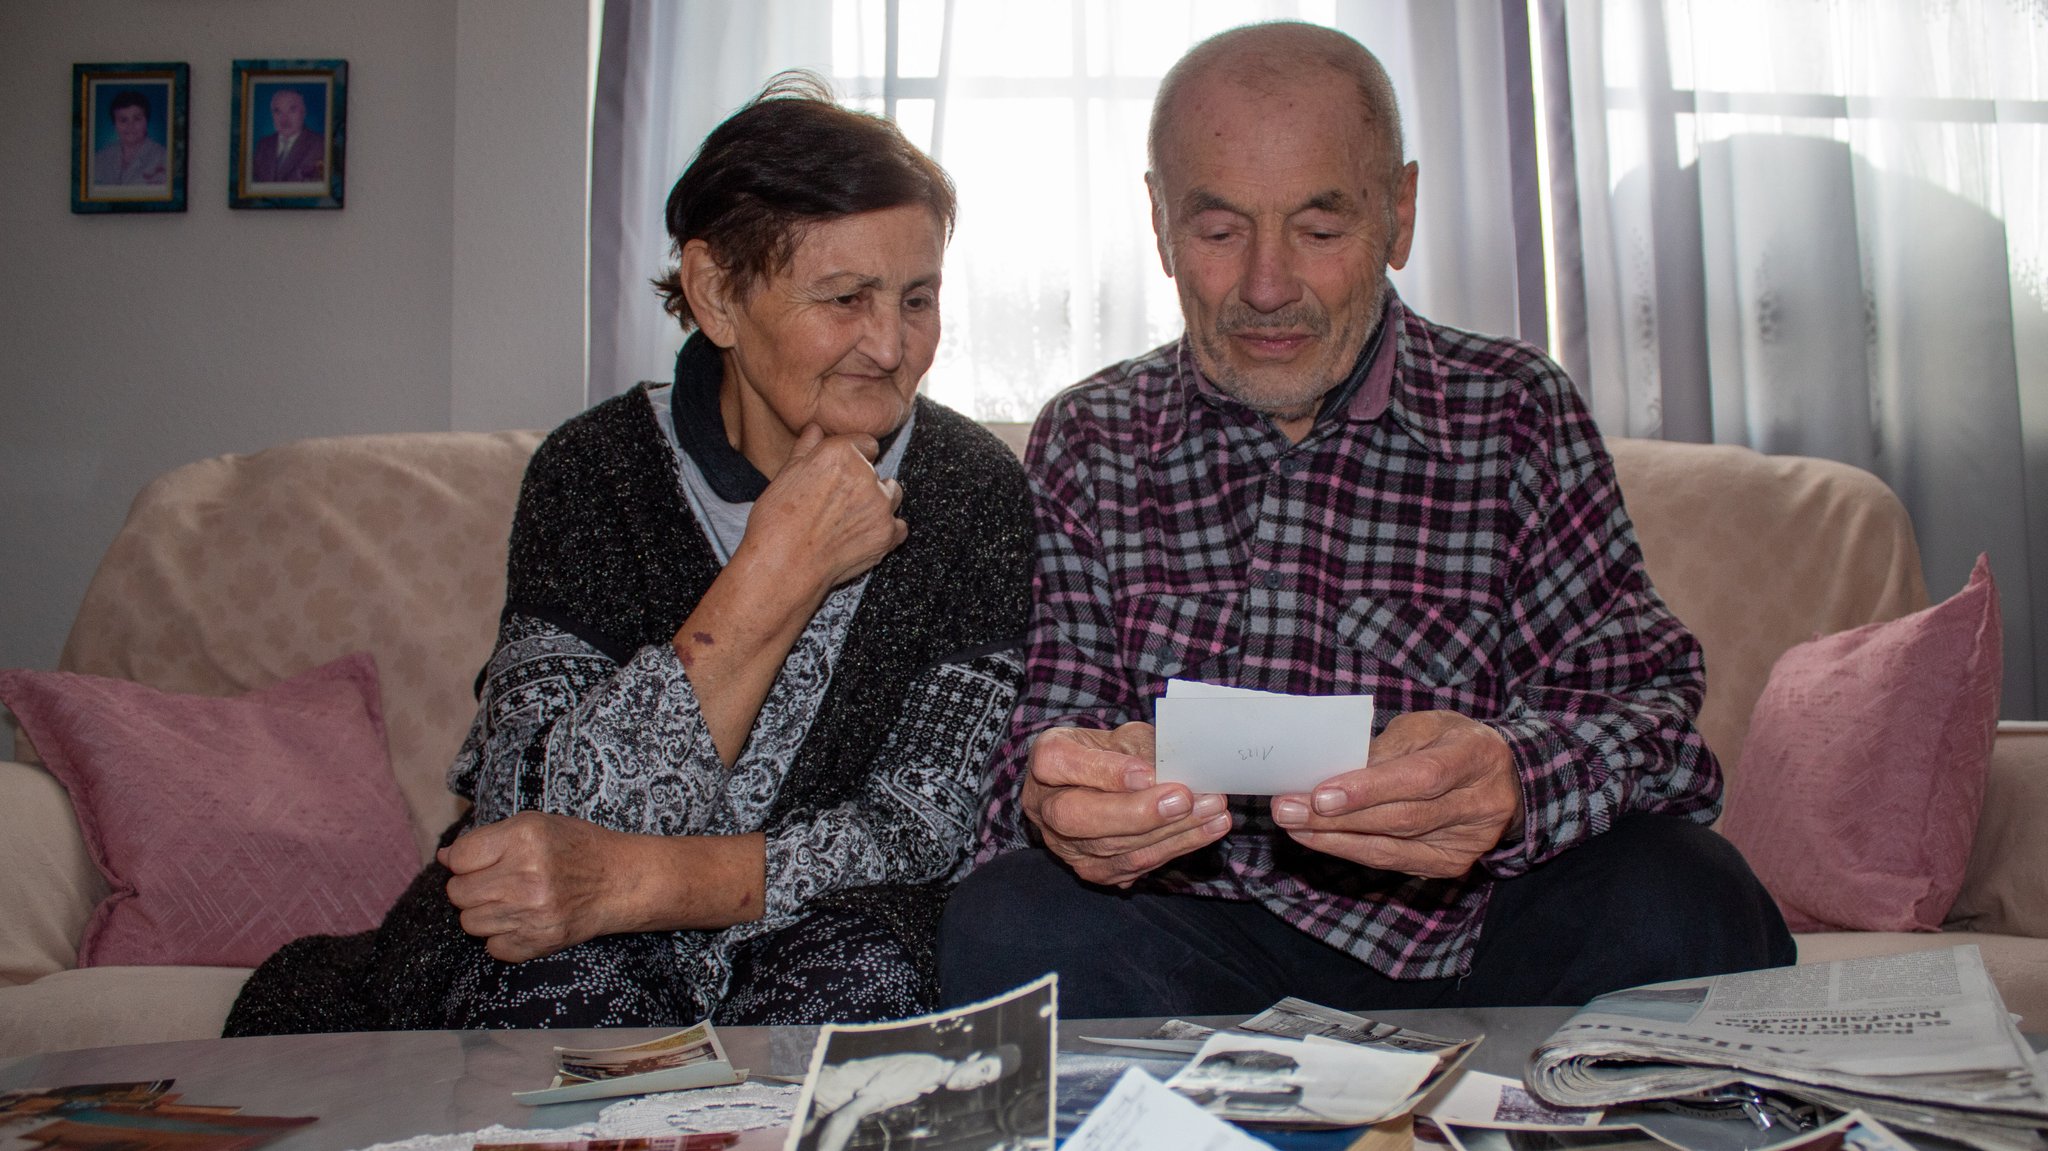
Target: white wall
[522,192]
[448,293]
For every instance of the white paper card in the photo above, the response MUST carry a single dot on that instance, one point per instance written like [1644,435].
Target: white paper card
[1238,741]
[1139,1114]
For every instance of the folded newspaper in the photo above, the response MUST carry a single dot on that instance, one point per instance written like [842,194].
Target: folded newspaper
[1919,1041]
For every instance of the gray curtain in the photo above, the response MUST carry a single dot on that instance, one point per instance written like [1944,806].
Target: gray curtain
[668,71]
[1819,230]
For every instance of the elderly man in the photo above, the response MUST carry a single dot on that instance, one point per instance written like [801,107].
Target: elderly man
[1317,491]
[291,154]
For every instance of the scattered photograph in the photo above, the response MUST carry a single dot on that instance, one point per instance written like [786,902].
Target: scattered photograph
[1174,1037]
[1516,1137]
[288,133]
[135,1129]
[1086,1080]
[976,1078]
[695,1044]
[1298,1019]
[715,1141]
[684,1060]
[128,137]
[43,1100]
[1262,1079]
[1855,1131]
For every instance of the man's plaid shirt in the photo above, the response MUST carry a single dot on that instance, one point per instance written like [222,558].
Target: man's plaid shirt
[1452,538]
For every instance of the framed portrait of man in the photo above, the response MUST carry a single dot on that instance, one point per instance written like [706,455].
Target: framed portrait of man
[128,138]
[289,133]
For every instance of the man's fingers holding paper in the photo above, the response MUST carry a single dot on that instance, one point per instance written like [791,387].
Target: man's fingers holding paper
[1092,796]
[1440,792]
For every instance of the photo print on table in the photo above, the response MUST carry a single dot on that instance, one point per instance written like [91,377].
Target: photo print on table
[973,1079]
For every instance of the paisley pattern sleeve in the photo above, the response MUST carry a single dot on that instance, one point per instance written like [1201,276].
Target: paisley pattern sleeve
[914,820]
[562,728]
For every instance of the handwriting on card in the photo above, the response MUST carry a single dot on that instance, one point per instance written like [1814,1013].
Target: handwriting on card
[1217,738]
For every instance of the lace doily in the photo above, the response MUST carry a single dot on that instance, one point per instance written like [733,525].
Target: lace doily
[746,1107]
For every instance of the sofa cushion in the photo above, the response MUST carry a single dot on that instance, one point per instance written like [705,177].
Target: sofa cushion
[1865,767]
[235,572]
[224,827]
[2005,891]
[50,884]
[1756,553]
[115,1006]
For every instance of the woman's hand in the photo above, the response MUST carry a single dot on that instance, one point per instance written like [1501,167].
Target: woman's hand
[825,519]
[536,883]
[825,515]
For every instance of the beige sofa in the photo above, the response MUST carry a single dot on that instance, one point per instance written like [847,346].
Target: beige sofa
[235,572]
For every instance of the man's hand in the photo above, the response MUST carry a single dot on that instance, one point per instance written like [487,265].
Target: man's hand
[1439,792]
[535,883]
[1095,801]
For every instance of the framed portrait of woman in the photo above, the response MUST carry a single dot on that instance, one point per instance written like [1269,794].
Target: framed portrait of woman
[289,133]
[128,137]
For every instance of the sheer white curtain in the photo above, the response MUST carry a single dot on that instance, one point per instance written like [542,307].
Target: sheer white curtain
[1819,229]
[1039,112]
[668,72]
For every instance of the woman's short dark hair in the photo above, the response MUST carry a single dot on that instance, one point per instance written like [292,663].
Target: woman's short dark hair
[129,98]
[789,159]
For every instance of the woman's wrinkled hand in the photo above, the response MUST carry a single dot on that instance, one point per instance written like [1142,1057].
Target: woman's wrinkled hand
[826,514]
[534,884]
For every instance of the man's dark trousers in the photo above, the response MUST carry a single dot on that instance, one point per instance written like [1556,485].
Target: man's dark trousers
[1654,898]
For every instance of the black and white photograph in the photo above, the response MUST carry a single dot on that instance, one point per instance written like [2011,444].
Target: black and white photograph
[973,1079]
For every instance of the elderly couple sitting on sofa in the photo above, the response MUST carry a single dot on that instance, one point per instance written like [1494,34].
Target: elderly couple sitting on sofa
[776,666]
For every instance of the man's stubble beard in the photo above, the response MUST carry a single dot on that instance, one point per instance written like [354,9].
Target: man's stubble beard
[1240,317]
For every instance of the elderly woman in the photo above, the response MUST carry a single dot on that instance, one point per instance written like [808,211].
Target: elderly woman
[759,636]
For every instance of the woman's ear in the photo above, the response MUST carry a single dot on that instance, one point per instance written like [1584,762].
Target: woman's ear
[709,292]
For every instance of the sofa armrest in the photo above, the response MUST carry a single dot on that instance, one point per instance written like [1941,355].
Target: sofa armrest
[48,884]
[2005,889]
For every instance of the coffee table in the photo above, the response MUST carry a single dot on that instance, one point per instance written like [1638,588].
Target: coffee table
[374,1087]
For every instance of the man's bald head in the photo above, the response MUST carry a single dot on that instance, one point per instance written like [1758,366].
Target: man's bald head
[1266,58]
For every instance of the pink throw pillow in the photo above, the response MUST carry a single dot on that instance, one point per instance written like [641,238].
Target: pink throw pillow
[1864,770]
[224,826]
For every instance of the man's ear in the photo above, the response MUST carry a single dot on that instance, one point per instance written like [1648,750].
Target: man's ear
[709,292]
[1159,226]
[1404,217]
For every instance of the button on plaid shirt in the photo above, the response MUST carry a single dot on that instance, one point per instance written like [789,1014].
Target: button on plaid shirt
[1452,538]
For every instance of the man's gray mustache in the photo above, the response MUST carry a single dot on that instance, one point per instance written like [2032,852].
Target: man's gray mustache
[1314,322]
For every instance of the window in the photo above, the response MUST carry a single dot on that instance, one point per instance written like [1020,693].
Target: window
[1039,112]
